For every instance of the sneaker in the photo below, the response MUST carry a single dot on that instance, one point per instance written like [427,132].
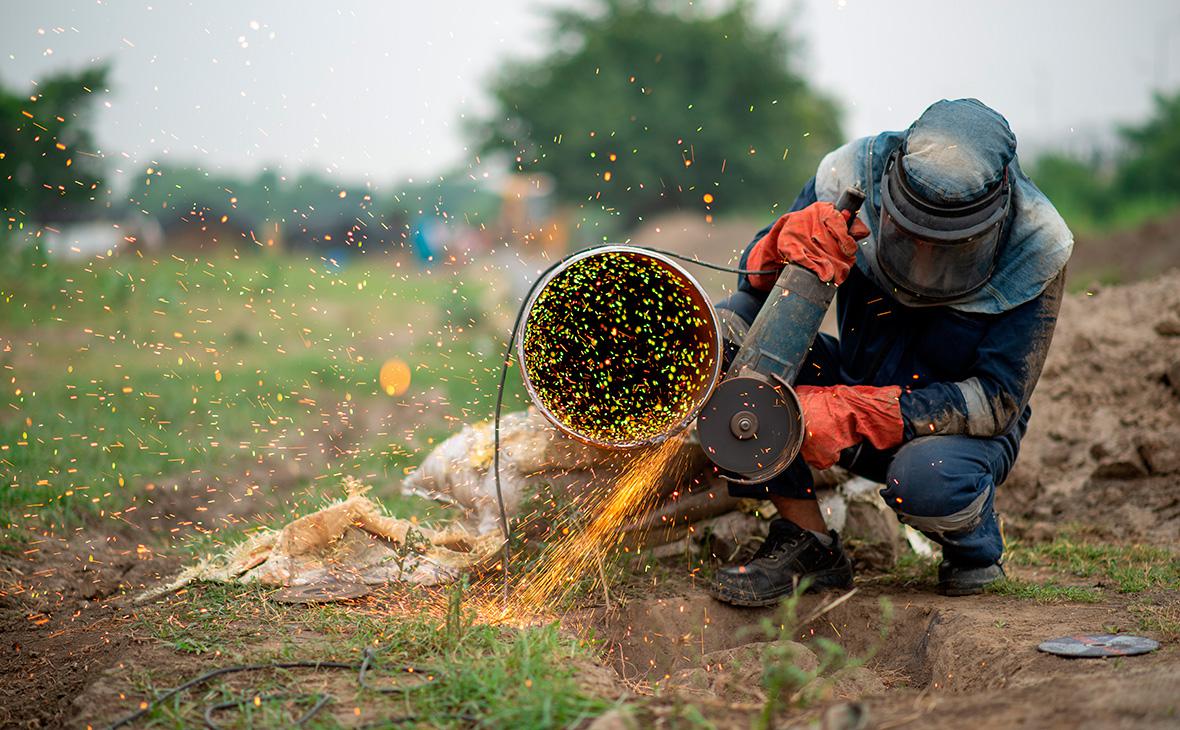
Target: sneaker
[961,580]
[787,556]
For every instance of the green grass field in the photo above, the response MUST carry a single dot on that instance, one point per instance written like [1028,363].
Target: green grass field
[125,376]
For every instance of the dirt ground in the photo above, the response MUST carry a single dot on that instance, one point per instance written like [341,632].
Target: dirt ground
[943,660]
[1103,451]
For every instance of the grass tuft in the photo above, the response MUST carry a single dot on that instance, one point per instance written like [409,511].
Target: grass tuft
[1049,592]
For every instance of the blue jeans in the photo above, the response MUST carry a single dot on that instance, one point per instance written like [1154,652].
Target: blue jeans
[943,486]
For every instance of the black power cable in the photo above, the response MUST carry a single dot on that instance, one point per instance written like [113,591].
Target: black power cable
[361,669]
[506,550]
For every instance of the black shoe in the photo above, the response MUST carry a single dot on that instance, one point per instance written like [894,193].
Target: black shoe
[789,555]
[959,580]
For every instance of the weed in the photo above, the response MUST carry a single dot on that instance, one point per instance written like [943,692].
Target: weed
[786,683]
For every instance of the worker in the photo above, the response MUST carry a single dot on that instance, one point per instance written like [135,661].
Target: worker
[949,283]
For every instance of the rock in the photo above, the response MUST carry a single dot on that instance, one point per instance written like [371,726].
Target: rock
[849,683]
[1129,468]
[845,716]
[1172,377]
[872,534]
[598,680]
[1168,328]
[1121,462]
[735,675]
[1161,453]
[616,719]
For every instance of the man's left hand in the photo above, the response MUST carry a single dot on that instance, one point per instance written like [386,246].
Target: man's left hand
[840,416]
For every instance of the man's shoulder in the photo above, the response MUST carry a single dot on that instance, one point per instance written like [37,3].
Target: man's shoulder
[858,163]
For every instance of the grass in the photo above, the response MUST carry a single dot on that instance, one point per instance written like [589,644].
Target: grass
[1125,215]
[1158,614]
[911,569]
[129,375]
[1126,568]
[1130,569]
[1048,592]
[486,675]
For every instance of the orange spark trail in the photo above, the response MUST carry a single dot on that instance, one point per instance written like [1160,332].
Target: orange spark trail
[577,554]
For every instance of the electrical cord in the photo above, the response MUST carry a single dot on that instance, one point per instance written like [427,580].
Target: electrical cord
[506,550]
[321,701]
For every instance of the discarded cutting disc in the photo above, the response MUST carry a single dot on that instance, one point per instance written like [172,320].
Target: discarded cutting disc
[1099,645]
[325,590]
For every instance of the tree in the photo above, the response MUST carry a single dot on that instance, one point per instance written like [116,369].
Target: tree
[1151,167]
[642,109]
[49,166]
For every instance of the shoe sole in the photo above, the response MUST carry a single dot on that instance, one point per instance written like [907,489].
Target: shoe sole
[823,580]
[961,591]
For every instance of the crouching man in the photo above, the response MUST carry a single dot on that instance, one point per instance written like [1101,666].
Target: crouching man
[949,287]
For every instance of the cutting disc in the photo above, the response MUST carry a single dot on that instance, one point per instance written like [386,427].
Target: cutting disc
[1099,645]
[751,426]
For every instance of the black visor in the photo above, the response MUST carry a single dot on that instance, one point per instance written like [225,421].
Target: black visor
[938,252]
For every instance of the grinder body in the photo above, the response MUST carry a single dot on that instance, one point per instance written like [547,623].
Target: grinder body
[752,424]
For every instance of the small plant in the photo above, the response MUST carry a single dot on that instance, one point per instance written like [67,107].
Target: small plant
[785,681]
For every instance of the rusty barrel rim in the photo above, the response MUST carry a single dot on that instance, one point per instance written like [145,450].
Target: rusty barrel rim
[698,294]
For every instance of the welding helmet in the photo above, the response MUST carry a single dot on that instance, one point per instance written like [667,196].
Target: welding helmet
[945,201]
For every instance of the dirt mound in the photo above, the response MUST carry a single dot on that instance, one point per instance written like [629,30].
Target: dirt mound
[1129,255]
[1103,446]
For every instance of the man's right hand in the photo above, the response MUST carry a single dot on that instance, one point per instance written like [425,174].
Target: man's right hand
[817,238]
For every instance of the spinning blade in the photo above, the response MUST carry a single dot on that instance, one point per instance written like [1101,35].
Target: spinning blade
[751,426]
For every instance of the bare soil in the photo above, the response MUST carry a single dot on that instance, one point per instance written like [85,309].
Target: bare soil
[944,660]
[1103,446]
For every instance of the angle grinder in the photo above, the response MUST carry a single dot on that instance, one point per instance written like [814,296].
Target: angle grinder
[752,424]
[620,348]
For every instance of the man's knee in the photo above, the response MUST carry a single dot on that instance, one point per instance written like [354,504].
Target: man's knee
[741,303]
[936,485]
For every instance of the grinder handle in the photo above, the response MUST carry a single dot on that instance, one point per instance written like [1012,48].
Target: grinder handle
[851,200]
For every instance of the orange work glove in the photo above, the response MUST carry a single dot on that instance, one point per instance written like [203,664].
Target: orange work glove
[817,238]
[840,416]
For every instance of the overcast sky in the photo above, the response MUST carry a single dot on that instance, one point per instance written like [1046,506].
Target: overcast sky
[378,90]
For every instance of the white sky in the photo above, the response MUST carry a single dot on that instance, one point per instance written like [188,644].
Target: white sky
[378,90]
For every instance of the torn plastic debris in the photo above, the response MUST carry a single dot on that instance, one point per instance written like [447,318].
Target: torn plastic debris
[350,538]
[532,451]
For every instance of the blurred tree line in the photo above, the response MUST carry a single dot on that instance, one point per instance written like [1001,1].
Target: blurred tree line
[1139,181]
[308,208]
[50,167]
[641,107]
[638,107]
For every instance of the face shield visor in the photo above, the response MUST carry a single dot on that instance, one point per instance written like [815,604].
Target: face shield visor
[936,253]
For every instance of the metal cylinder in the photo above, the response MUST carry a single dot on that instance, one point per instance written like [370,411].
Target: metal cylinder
[619,347]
